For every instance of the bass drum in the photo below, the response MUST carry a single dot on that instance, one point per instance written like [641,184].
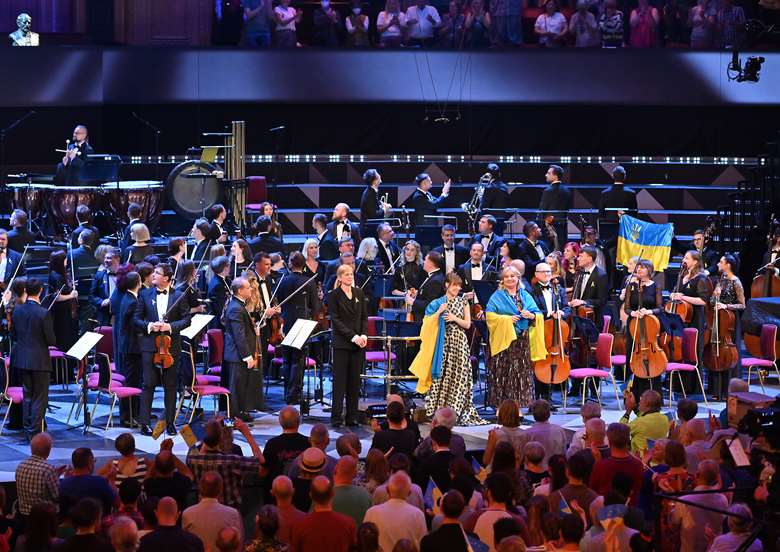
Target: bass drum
[190,196]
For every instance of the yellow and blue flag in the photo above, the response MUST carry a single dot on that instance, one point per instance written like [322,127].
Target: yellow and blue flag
[653,241]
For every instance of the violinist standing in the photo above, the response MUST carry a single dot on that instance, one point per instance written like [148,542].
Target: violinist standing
[156,313]
[643,298]
[728,295]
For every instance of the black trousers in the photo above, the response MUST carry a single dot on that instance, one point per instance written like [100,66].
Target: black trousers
[131,369]
[347,366]
[293,374]
[243,386]
[153,377]
[35,385]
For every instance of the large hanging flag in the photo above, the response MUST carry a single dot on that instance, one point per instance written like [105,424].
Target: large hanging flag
[652,241]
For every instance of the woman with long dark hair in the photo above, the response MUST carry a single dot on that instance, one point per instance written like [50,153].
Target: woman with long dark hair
[61,291]
[728,295]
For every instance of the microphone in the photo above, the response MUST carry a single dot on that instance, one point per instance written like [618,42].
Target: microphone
[277,128]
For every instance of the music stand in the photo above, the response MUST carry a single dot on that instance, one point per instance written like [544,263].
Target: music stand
[298,338]
[96,169]
[79,351]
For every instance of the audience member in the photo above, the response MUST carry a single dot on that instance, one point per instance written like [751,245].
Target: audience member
[575,489]
[169,476]
[312,464]
[698,445]
[693,520]
[128,465]
[675,479]
[208,517]
[396,519]
[228,540]
[168,535]
[551,436]
[611,25]
[391,25]
[533,469]
[129,494]
[377,471]
[620,534]
[588,411]
[268,525]
[571,530]
[36,479]
[280,451]
[508,417]
[422,21]
[437,466]
[368,538]
[319,438]
[398,435]
[505,461]
[596,443]
[450,535]
[446,417]
[584,27]
[149,511]
[650,423]
[283,491]
[538,509]
[323,529]
[740,527]
[124,535]
[505,528]
[686,411]
[81,483]
[556,467]
[399,462]
[349,499]
[85,516]
[620,459]
[644,23]
[550,26]
[512,544]
[498,495]
[40,530]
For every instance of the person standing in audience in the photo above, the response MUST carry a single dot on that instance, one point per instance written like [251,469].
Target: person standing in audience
[451,30]
[621,460]
[477,30]
[168,535]
[391,25]
[349,499]
[281,451]
[650,422]
[551,26]
[168,476]
[551,436]
[85,516]
[422,21]
[644,25]
[36,479]
[731,26]
[208,517]
[693,521]
[577,473]
[357,27]
[258,17]
[611,25]
[326,26]
[268,525]
[323,529]
[398,436]
[703,22]
[286,18]
[81,482]
[282,491]
[396,519]
[124,535]
[450,535]
[584,27]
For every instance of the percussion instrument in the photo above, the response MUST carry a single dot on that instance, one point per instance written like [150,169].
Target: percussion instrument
[146,193]
[63,200]
[190,196]
[27,197]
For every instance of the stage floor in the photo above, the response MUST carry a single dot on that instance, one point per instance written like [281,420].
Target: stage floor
[14,446]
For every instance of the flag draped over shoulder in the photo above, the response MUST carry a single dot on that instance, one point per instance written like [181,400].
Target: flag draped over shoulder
[427,364]
[653,241]
[503,331]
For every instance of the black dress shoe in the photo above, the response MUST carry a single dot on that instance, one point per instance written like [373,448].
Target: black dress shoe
[336,423]
[145,429]
[171,430]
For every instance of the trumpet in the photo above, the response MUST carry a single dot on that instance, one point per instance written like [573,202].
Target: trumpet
[384,203]
[475,205]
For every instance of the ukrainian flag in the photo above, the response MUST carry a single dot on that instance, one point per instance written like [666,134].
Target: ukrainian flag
[653,241]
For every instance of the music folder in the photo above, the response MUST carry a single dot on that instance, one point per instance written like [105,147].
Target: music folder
[84,345]
[299,333]
[198,322]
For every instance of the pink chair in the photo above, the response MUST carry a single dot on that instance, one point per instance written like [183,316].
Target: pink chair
[690,363]
[602,371]
[216,346]
[60,365]
[199,391]
[14,395]
[768,355]
[107,385]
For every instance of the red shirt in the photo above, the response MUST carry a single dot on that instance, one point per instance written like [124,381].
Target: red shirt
[320,531]
[606,468]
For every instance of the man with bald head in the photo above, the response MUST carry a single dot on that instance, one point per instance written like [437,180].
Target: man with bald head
[169,477]
[282,450]
[693,520]
[649,423]
[36,479]
[519,264]
[282,491]
[207,518]
[124,534]
[698,446]
[323,529]
[349,499]
[168,536]
[319,437]
[396,518]
[446,417]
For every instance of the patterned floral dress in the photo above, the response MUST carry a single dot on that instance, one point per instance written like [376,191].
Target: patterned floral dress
[511,373]
[454,387]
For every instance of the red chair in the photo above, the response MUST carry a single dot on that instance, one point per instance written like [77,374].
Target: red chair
[690,363]
[602,371]
[768,355]
[107,385]
[105,345]
[14,395]
[199,391]
[216,347]
[256,194]
[60,365]
[375,351]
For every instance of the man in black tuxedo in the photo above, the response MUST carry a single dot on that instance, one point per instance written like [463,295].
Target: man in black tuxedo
[346,245]
[158,311]
[341,225]
[267,282]
[218,294]
[85,266]
[73,161]
[240,347]
[431,288]
[328,247]
[491,242]
[33,333]
[475,269]
[423,201]
[590,237]
[496,195]
[127,346]
[84,218]
[304,304]
[532,249]
[199,233]
[557,200]
[388,250]
[19,236]
[617,196]
[9,260]
[592,289]
[134,216]
[453,255]
[371,205]
[264,240]
[216,233]
[103,285]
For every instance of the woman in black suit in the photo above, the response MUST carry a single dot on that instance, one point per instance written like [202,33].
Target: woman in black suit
[349,317]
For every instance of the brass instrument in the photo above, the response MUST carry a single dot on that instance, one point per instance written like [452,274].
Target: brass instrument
[473,207]
[235,169]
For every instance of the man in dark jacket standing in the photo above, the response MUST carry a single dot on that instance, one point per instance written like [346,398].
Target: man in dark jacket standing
[240,344]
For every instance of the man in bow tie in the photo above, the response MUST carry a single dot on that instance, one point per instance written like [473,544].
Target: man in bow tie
[339,226]
[388,250]
[158,311]
[431,288]
[103,285]
[532,249]
[592,285]
[423,201]
[454,255]
[491,242]
[476,268]
[550,296]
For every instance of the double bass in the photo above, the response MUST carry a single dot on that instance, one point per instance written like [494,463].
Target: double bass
[647,358]
[720,351]
[555,368]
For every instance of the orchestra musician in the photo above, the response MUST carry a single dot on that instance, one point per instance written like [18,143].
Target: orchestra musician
[496,194]
[340,225]
[103,286]
[62,292]
[557,200]
[546,296]
[331,283]
[12,298]
[140,248]
[242,354]
[532,249]
[9,260]
[554,260]
[346,245]
[216,233]
[177,251]
[199,232]
[410,274]
[240,257]
[475,269]
[32,332]
[74,159]
[268,209]
[314,266]
[770,257]
[388,250]
[128,352]
[617,196]
[146,272]
[371,205]
[158,312]
[264,240]
[219,291]
[571,252]
[266,285]
[134,216]
[510,372]
[432,287]
[592,287]
[348,310]
[188,273]
[728,295]
[84,218]
[424,202]
[304,304]
[19,236]
[328,249]
[590,237]
[487,237]
[453,254]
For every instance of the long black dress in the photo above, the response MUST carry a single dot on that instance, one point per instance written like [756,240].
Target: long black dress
[733,295]
[698,286]
[648,298]
[62,312]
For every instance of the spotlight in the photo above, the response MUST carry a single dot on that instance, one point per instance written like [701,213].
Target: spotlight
[751,71]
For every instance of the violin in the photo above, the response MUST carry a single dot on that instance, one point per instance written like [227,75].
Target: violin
[720,351]
[555,368]
[672,345]
[162,354]
[647,358]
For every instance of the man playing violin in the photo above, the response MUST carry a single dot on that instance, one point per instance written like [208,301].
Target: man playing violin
[159,312]
[266,283]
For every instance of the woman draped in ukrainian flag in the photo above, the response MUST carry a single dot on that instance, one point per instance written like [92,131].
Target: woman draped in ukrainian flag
[509,313]
[442,365]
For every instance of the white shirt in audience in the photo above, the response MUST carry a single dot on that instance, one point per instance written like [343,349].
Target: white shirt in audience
[423,28]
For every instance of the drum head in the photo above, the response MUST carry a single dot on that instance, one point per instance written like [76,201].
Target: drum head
[189,196]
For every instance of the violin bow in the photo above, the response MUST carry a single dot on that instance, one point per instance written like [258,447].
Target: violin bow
[16,271]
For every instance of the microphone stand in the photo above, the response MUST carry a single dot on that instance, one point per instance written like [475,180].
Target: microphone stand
[157,133]
[3,134]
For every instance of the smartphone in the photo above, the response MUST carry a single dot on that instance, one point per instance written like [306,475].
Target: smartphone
[229,422]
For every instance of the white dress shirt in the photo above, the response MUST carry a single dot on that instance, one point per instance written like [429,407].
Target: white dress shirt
[160,301]
[341,226]
[3,266]
[585,279]
[486,242]
[548,297]
[449,259]
[476,271]
[389,253]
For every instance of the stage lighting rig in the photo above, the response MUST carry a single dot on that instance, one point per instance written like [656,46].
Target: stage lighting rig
[750,73]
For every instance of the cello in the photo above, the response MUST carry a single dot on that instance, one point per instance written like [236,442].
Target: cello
[555,368]
[766,283]
[647,358]
[672,345]
[720,351]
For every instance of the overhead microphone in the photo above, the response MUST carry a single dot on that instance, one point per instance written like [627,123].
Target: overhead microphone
[277,128]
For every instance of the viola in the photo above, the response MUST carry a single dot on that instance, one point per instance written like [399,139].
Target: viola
[672,345]
[647,358]
[162,354]
[720,351]
[556,367]
[276,335]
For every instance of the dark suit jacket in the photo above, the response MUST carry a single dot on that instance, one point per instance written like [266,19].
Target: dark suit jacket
[556,197]
[329,249]
[174,538]
[146,312]
[432,288]
[436,467]
[330,269]
[305,303]
[218,294]
[354,231]
[395,251]
[99,292]
[349,317]
[596,293]
[74,237]
[215,231]
[33,333]
[464,271]
[13,260]
[493,245]
[423,206]
[239,332]
[614,197]
[461,254]
[126,331]
[267,243]
[125,242]
[201,250]
[19,237]
[136,254]
[329,285]
[530,255]
[496,196]
[369,209]
[84,263]
[538,295]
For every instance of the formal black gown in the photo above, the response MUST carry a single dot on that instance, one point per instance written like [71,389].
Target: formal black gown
[648,298]
[733,295]
[698,286]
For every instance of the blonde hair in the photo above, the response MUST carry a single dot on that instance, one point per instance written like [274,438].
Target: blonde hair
[306,244]
[418,258]
[554,260]
[340,271]
[368,249]
[503,274]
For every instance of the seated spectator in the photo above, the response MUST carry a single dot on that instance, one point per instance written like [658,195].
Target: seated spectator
[596,443]
[619,460]
[498,495]
[81,483]
[36,479]
[551,26]
[85,516]
[644,23]
[611,25]
[551,436]
[446,417]
[557,469]
[318,438]
[208,517]
[399,462]
[398,435]
[585,29]
[128,465]
[168,535]
[391,25]
[280,451]
[282,491]
[40,530]
[686,411]
[124,535]
[450,535]
[323,529]
[650,423]
[357,26]
[267,528]
[286,18]
[326,25]
[312,464]
[451,30]
[533,470]
[149,512]
[575,489]
[588,411]
[129,494]
[739,530]
[508,416]
[505,461]
[691,519]
[422,21]
[437,466]
[396,519]
[169,476]
[377,471]
[699,446]
[477,25]
[731,26]
[349,499]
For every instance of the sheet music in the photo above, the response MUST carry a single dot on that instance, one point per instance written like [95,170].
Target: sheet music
[198,322]
[299,333]
[84,345]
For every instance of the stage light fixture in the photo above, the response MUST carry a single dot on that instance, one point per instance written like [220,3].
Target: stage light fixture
[750,73]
